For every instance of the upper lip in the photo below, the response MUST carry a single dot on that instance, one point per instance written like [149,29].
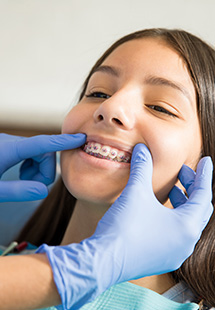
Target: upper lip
[110,142]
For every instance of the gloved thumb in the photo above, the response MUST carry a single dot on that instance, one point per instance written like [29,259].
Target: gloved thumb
[141,166]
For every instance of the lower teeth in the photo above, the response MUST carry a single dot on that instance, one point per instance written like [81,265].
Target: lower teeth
[104,157]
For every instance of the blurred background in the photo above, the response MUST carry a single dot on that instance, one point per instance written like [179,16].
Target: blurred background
[47,47]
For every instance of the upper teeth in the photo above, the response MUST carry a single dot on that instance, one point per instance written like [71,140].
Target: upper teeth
[105,151]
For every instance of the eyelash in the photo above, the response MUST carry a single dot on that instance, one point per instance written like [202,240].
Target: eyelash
[98,95]
[160,109]
[153,107]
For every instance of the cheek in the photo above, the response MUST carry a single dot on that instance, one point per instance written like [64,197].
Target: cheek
[70,122]
[169,154]
[75,119]
[168,157]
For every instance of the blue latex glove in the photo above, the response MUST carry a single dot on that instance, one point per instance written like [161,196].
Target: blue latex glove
[137,236]
[39,163]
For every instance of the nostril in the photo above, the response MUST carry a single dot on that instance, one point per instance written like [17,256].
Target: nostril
[100,117]
[116,120]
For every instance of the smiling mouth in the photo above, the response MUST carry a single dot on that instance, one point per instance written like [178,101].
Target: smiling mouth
[106,152]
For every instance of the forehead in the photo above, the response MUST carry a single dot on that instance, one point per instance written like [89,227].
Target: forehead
[149,55]
[146,50]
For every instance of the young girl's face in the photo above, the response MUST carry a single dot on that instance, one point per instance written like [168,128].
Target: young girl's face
[142,93]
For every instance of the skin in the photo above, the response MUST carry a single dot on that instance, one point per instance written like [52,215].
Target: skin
[40,291]
[133,108]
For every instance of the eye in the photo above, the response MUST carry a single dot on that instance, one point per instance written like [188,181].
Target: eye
[98,95]
[161,110]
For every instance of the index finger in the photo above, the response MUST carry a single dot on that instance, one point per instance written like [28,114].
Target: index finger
[37,145]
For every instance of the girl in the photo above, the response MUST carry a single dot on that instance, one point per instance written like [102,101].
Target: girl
[154,87]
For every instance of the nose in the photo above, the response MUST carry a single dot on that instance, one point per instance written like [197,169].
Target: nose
[115,112]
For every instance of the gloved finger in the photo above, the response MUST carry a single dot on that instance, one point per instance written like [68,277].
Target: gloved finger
[37,145]
[141,167]
[26,165]
[177,197]
[28,169]
[140,174]
[15,149]
[4,138]
[41,169]
[199,203]
[187,177]
[22,191]
[46,169]
[204,174]
[203,187]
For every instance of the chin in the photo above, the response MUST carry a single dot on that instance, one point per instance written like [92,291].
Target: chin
[94,188]
[98,193]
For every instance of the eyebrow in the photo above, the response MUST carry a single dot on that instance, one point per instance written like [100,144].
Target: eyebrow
[150,79]
[156,80]
[107,69]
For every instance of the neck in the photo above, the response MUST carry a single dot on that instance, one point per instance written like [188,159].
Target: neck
[83,222]
[82,225]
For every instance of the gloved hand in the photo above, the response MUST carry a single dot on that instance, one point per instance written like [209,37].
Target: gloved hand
[39,163]
[137,236]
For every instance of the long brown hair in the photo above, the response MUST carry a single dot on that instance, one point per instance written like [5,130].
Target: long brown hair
[49,222]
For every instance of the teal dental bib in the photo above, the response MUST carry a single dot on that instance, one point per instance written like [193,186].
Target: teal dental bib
[128,296]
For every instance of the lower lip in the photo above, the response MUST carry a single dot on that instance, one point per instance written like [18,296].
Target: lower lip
[103,163]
